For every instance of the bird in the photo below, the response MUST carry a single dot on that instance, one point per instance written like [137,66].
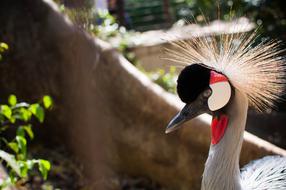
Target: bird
[223,75]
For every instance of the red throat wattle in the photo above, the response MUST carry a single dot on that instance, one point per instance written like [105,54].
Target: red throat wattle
[218,127]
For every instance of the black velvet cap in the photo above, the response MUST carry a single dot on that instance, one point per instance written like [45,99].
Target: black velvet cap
[192,81]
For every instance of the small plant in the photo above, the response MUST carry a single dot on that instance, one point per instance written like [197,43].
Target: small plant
[17,117]
[166,80]
[104,26]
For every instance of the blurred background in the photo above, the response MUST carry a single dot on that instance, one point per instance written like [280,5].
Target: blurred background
[143,16]
[85,94]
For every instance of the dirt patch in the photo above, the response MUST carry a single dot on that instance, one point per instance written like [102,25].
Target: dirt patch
[138,183]
[65,174]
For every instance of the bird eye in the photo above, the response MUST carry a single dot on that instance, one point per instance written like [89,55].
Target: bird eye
[207,93]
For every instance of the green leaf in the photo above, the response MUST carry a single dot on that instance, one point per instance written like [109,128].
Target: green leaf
[6,111]
[23,168]
[25,128]
[12,100]
[11,161]
[23,114]
[38,111]
[44,168]
[21,141]
[3,46]
[48,102]
[12,119]
[22,144]
[21,132]
[29,131]
[12,176]
[21,156]
[14,146]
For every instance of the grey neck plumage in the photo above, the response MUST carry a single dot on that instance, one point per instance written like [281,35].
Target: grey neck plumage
[222,166]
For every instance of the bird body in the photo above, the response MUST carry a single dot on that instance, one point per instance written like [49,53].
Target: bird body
[252,74]
[265,173]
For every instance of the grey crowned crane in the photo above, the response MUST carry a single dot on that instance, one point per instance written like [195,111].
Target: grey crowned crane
[222,76]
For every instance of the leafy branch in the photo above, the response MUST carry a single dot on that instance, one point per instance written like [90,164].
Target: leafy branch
[17,117]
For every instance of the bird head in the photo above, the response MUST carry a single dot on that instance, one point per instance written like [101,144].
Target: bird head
[203,90]
[216,67]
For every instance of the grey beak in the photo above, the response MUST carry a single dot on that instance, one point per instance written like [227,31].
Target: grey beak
[189,112]
[175,123]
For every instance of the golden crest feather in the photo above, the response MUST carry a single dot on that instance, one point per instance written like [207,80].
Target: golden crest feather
[257,70]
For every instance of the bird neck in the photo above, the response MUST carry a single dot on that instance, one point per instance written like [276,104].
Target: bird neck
[222,166]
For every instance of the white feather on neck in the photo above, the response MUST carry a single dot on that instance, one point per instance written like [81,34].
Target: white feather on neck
[222,166]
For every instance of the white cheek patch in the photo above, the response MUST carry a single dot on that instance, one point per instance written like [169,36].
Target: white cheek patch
[221,93]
